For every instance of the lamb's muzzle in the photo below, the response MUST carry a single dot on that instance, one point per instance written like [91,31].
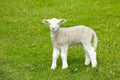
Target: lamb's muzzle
[63,37]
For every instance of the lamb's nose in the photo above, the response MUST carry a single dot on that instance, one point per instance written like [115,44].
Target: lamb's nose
[53,28]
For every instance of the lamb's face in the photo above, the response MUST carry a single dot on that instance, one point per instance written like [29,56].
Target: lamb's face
[54,23]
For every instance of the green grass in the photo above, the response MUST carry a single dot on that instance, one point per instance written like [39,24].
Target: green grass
[26,49]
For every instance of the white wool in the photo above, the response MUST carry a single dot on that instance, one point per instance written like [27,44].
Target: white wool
[63,37]
[72,35]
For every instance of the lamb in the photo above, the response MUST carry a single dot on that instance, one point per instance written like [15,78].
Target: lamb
[63,37]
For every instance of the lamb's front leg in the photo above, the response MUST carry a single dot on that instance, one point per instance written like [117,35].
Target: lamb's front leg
[64,57]
[55,56]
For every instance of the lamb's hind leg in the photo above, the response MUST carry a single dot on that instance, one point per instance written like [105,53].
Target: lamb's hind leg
[87,58]
[91,55]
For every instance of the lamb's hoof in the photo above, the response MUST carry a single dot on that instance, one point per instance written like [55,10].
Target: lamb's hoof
[53,67]
[93,66]
[87,64]
[65,67]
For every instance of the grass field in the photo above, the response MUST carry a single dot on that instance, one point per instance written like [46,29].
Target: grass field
[26,49]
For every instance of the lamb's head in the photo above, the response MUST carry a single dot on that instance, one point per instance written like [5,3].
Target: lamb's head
[54,23]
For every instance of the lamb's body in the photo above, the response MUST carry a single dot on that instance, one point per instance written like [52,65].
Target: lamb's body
[71,36]
[63,37]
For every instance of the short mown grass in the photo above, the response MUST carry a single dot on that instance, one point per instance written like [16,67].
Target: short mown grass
[26,49]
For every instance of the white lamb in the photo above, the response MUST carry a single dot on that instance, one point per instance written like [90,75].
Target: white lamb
[63,37]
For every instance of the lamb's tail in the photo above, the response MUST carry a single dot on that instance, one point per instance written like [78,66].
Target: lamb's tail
[95,40]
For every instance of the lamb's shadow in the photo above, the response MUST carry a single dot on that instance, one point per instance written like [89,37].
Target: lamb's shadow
[76,61]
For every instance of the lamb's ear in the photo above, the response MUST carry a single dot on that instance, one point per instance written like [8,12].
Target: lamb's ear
[62,20]
[45,21]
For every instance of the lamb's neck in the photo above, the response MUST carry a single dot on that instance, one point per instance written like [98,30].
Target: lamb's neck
[53,34]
